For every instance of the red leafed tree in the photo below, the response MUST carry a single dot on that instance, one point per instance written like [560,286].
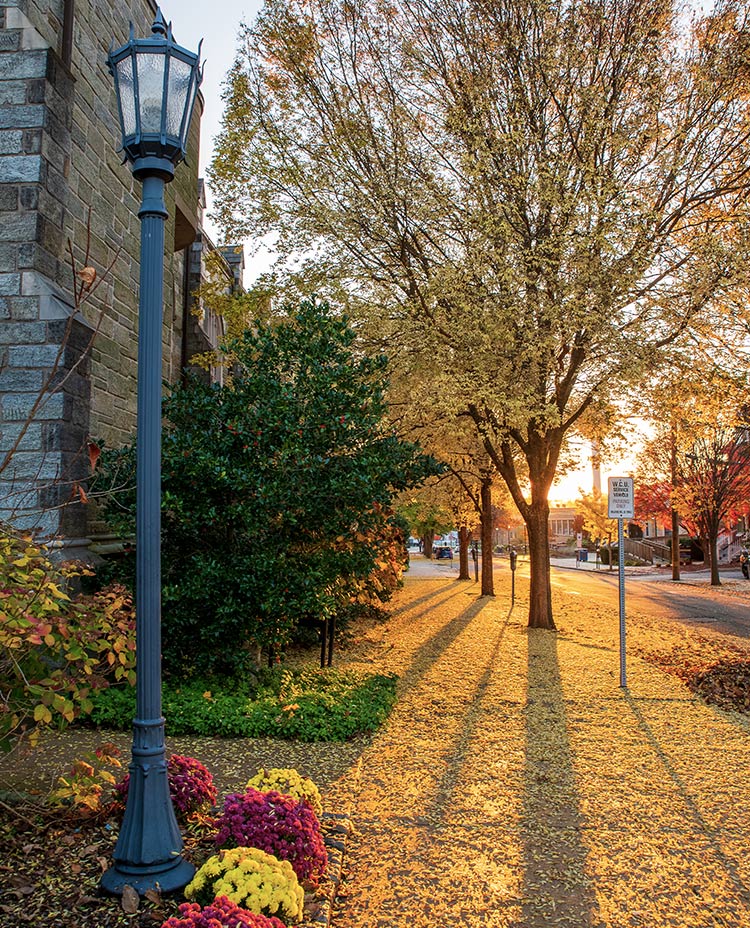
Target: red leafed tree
[654,501]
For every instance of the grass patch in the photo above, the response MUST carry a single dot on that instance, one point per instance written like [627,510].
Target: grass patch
[304,705]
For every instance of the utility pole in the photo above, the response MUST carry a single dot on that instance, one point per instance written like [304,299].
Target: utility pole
[675,515]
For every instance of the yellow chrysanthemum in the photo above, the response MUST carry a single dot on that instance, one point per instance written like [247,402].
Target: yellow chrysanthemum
[288,781]
[267,886]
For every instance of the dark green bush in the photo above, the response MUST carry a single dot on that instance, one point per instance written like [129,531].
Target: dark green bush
[277,489]
[303,705]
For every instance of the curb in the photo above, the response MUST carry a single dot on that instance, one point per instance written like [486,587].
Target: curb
[336,829]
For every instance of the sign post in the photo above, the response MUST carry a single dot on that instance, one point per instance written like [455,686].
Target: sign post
[621,506]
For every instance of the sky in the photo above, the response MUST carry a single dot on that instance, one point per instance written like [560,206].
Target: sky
[191,22]
[567,489]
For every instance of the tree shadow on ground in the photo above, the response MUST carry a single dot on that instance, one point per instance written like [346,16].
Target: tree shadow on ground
[558,888]
[459,753]
[704,828]
[440,587]
[428,653]
[373,647]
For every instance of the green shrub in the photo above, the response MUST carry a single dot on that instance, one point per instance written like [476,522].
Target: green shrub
[277,489]
[304,705]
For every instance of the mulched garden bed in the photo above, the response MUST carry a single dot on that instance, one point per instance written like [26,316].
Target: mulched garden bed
[51,867]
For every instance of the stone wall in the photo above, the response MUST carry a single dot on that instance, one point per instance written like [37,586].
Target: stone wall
[66,199]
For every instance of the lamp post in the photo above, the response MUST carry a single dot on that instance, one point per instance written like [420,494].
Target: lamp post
[156,82]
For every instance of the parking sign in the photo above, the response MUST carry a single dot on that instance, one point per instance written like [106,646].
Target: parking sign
[621,503]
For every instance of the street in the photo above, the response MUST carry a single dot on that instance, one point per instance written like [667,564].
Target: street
[691,600]
[726,611]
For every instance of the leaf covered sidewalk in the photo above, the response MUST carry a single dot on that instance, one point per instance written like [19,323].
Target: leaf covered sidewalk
[517,786]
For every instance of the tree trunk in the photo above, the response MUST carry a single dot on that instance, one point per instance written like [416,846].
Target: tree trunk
[675,545]
[540,590]
[541,451]
[713,547]
[323,641]
[427,545]
[463,553]
[488,582]
[675,516]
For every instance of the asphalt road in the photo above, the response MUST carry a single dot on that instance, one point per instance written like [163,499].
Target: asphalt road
[723,610]
[690,600]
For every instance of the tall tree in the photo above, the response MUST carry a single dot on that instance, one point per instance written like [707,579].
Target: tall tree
[530,194]
[716,480]
[426,514]
[695,404]
[469,482]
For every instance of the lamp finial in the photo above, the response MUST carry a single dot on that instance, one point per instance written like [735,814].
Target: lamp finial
[159,26]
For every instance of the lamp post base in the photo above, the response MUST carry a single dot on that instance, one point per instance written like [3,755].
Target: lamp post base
[175,875]
[148,850]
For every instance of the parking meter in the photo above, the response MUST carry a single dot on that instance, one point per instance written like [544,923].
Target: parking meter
[513,559]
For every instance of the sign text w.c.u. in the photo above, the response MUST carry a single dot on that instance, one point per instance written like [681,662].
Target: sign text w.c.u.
[621,503]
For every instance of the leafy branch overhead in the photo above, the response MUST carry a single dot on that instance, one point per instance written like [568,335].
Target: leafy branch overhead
[536,197]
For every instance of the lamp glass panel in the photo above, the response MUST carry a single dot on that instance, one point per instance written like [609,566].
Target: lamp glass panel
[151,91]
[126,91]
[179,84]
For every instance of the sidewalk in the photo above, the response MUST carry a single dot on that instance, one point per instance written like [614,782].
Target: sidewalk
[517,786]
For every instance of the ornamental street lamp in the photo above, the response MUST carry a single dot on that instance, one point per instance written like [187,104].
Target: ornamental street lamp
[156,82]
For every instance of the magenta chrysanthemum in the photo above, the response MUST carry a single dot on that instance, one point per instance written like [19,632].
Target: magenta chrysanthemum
[191,785]
[221,913]
[277,824]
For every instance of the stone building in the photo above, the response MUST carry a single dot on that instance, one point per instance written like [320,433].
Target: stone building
[68,346]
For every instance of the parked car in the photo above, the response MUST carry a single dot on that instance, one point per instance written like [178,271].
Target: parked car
[443,551]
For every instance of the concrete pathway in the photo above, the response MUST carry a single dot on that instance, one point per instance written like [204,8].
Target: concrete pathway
[516,786]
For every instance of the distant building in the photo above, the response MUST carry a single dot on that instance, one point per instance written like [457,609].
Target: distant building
[561,524]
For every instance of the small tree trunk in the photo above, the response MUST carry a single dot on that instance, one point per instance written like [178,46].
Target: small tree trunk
[675,545]
[463,553]
[427,545]
[675,516]
[331,637]
[540,590]
[488,582]
[323,639]
[713,548]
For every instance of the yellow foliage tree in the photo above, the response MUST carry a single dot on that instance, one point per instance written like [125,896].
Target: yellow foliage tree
[531,195]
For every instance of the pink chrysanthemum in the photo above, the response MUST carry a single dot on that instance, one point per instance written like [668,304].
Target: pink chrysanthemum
[221,913]
[277,824]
